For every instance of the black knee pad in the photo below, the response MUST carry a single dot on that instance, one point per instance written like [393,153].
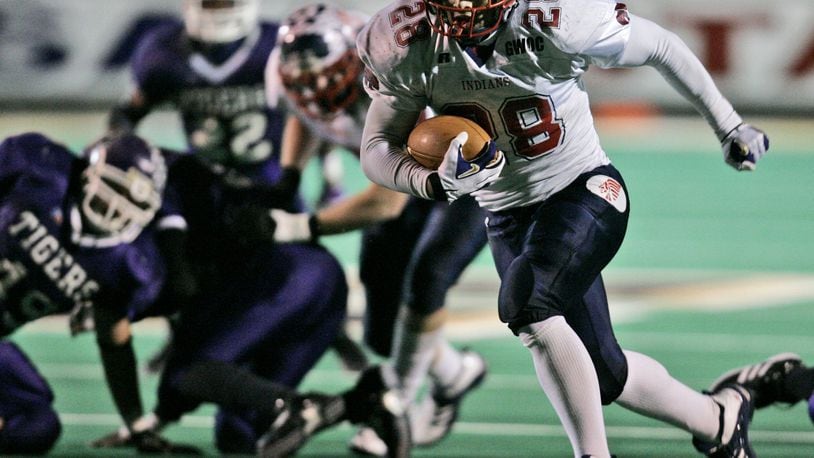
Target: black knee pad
[514,299]
[612,373]
[515,290]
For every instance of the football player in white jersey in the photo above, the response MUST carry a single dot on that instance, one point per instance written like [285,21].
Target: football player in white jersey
[317,69]
[557,208]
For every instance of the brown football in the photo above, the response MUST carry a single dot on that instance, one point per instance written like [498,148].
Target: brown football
[429,140]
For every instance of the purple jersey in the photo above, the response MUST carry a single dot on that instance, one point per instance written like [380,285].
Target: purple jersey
[223,106]
[46,265]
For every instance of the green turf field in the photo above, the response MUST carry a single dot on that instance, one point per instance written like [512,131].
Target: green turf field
[717,271]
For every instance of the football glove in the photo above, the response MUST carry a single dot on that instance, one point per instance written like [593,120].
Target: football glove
[460,177]
[292,227]
[744,146]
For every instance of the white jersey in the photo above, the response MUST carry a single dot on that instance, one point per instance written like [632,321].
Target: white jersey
[528,94]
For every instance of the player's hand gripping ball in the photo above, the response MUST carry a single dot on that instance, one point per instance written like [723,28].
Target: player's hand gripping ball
[430,139]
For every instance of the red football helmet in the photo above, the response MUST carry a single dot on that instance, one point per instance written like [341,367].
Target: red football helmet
[467,20]
[319,68]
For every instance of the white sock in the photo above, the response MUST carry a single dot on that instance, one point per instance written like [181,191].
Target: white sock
[447,364]
[568,377]
[651,391]
[412,353]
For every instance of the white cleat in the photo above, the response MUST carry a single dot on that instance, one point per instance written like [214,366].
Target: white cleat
[432,420]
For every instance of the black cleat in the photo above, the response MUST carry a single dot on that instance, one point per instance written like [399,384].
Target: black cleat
[737,445]
[299,421]
[371,403]
[765,380]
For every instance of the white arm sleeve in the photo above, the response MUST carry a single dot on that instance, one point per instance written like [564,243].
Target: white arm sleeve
[383,157]
[654,46]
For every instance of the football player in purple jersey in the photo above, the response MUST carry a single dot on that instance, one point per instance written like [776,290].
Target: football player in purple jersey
[209,67]
[262,317]
[413,250]
[75,237]
[557,208]
[271,309]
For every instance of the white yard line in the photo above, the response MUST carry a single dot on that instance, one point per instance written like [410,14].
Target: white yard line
[490,429]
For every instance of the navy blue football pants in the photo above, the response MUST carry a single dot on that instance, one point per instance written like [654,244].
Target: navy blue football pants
[549,257]
[414,260]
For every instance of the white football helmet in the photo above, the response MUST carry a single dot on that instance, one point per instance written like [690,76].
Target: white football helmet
[319,68]
[220,21]
[121,188]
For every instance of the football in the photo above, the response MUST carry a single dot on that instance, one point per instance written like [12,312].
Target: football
[429,140]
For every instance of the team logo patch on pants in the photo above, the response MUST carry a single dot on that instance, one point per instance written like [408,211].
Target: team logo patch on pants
[608,189]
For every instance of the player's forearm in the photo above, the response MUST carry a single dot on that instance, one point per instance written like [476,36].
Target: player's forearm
[373,205]
[652,45]
[121,374]
[382,152]
[114,339]
[298,144]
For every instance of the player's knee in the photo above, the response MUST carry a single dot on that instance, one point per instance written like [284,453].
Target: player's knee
[34,432]
[428,288]
[610,389]
[612,372]
[516,289]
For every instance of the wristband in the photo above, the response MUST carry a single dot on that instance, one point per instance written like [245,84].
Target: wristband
[438,192]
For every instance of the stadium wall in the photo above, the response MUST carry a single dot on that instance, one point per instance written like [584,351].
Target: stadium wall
[69,54]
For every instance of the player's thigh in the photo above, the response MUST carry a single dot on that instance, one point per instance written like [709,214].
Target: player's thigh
[551,253]
[285,290]
[384,257]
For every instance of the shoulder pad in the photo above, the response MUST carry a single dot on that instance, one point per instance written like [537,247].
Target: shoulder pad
[575,23]
[396,45]
[158,49]
[33,154]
